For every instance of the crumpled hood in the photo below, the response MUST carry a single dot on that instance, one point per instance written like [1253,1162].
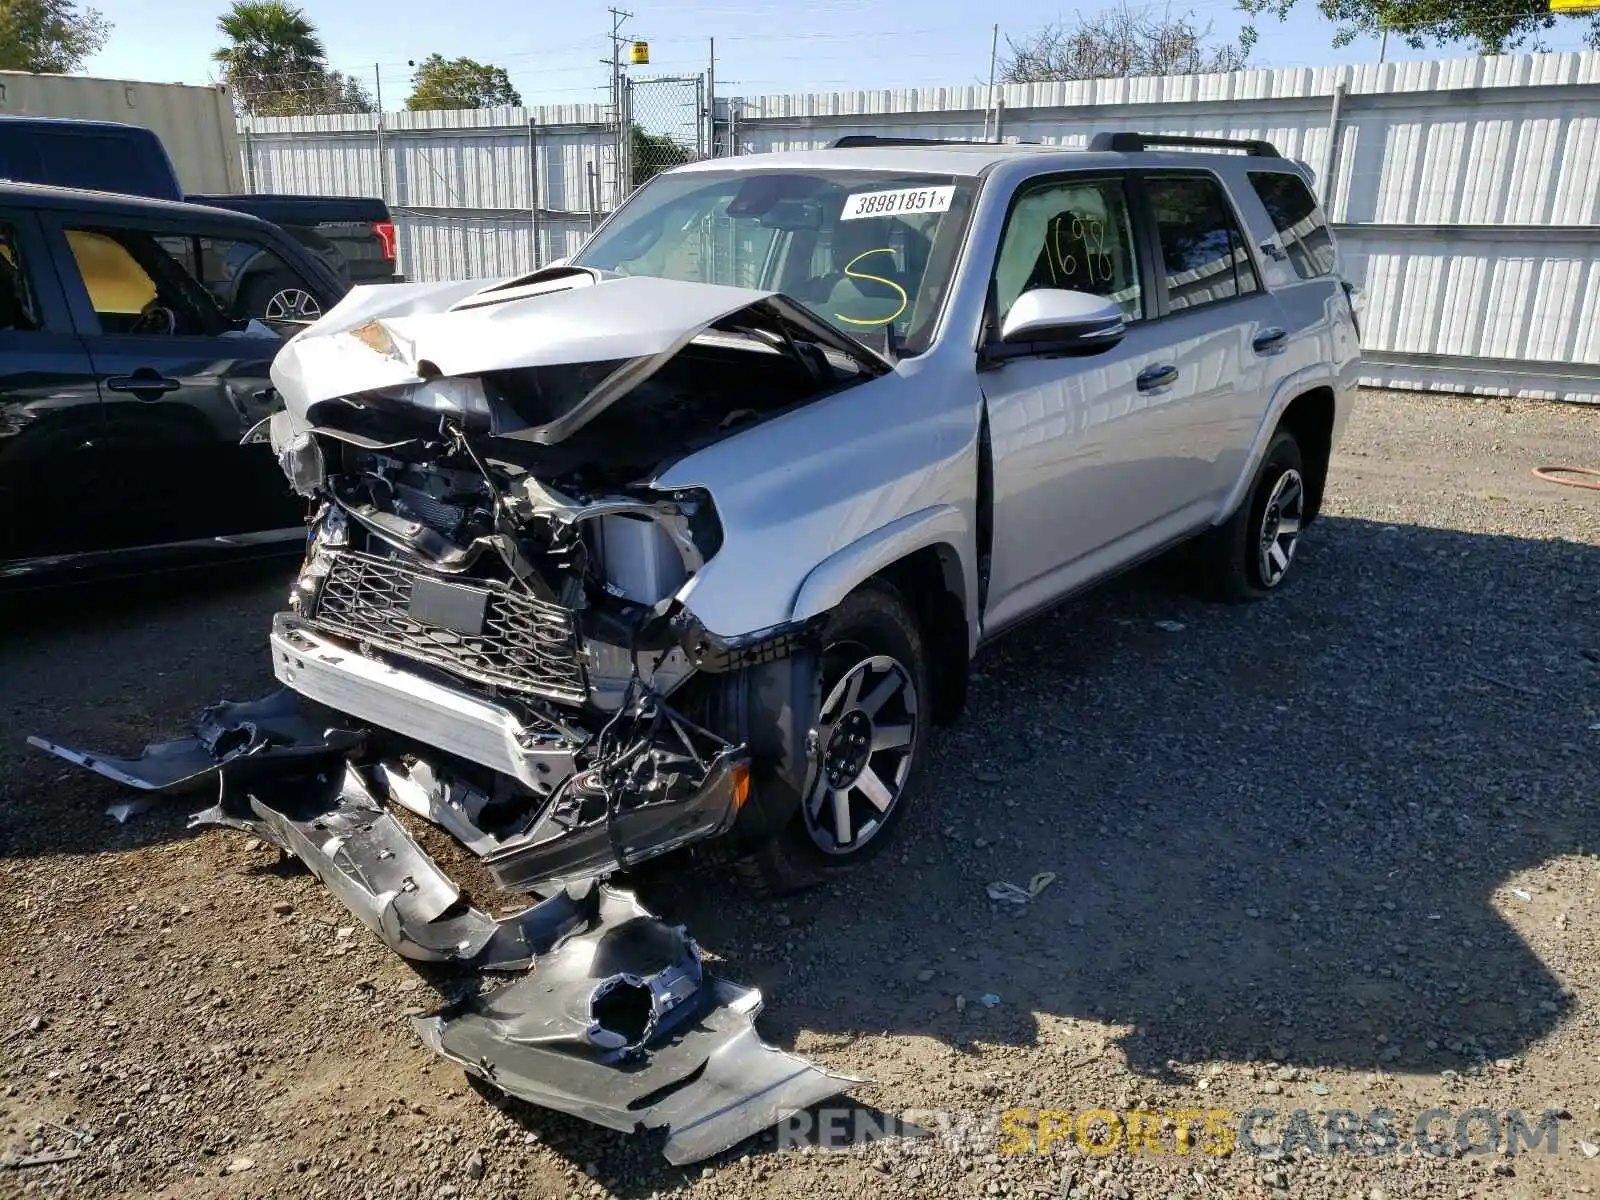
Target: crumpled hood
[432,340]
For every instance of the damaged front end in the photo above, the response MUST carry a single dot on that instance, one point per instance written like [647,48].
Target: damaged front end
[489,632]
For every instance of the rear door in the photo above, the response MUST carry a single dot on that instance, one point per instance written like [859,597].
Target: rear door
[182,382]
[52,490]
[1301,262]
[1220,327]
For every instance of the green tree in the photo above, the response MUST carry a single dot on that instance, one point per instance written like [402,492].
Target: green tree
[1494,26]
[653,153]
[277,66]
[48,36]
[439,82]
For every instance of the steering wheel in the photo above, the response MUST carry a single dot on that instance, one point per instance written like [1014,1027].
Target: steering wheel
[156,318]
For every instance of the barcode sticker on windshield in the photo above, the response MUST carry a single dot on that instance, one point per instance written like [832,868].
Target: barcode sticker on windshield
[898,203]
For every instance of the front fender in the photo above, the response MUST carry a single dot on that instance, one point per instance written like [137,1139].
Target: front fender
[836,576]
[812,501]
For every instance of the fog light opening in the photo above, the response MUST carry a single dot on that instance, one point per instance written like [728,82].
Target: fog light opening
[624,1007]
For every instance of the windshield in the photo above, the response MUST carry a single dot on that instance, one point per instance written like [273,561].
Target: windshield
[871,252]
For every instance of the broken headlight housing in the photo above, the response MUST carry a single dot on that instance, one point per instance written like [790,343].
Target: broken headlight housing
[329,531]
[299,455]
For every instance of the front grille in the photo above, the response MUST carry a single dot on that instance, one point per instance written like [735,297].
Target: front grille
[527,645]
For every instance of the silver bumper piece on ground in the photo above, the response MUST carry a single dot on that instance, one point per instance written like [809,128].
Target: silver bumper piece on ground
[613,1019]
[272,734]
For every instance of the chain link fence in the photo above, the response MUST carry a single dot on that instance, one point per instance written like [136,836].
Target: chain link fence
[666,125]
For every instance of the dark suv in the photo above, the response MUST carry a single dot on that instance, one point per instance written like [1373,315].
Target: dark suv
[354,236]
[127,382]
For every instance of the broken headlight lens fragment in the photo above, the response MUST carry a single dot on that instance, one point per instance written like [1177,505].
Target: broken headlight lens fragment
[298,453]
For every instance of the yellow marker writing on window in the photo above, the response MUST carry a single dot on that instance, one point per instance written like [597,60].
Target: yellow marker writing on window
[851,273]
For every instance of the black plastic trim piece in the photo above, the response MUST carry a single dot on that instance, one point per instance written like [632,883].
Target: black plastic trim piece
[1127,142]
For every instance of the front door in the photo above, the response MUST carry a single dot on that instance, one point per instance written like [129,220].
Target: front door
[182,383]
[1088,456]
[52,487]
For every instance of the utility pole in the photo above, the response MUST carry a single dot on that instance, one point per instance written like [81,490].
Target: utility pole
[994,47]
[383,174]
[624,168]
[711,101]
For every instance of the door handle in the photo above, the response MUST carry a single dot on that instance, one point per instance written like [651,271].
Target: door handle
[146,384]
[1271,341]
[1160,376]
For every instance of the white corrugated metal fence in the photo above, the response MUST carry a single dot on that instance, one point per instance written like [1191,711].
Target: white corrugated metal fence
[1465,192]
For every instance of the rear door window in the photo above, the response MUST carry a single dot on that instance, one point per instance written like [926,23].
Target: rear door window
[1300,223]
[1203,251]
[136,287]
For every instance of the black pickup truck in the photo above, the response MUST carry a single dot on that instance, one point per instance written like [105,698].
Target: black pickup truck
[353,235]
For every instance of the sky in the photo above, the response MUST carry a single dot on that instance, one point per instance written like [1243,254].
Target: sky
[554,55]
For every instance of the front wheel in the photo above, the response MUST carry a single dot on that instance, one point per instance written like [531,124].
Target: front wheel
[866,748]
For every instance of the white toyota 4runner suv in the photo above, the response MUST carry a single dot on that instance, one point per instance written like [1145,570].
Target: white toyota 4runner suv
[694,537]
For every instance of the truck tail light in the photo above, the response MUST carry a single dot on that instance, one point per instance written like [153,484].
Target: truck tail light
[385,232]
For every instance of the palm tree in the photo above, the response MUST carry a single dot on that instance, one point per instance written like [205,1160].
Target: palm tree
[275,60]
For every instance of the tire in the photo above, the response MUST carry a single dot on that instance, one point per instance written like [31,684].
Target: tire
[279,295]
[871,641]
[1252,555]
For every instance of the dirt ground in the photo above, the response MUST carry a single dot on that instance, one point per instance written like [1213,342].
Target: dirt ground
[1333,851]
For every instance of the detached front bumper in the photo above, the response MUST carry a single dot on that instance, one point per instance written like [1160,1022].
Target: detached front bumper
[583,1001]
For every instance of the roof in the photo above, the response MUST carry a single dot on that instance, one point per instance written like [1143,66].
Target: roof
[39,195]
[80,122]
[956,158]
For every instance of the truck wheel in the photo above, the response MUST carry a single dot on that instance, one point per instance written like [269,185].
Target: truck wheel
[1253,553]
[278,296]
[868,747]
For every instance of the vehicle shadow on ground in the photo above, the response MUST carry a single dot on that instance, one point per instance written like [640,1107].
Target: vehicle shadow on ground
[109,667]
[1283,831]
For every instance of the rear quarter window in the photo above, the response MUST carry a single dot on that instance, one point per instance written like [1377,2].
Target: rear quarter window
[1300,223]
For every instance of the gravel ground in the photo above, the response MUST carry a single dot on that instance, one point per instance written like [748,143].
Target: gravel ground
[1334,851]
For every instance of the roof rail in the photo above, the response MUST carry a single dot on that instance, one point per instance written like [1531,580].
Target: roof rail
[854,140]
[1132,143]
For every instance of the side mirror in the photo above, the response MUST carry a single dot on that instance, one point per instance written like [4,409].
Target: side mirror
[1078,320]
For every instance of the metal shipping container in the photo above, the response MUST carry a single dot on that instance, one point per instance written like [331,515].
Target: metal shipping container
[196,124]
